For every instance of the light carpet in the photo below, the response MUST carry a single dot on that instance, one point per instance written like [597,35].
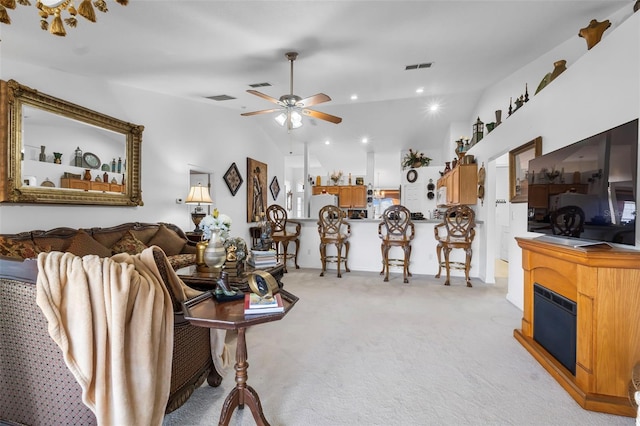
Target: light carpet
[359,351]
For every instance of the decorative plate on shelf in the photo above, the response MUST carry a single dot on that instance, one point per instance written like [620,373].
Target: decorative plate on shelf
[48,183]
[91,160]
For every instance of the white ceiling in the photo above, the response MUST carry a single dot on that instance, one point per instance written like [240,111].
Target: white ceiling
[196,49]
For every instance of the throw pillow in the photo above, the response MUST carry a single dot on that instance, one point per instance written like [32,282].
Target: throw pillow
[84,244]
[20,249]
[128,244]
[168,241]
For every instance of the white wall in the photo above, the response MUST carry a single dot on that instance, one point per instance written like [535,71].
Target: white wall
[599,90]
[179,134]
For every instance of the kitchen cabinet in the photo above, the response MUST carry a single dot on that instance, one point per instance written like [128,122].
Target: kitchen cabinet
[461,185]
[318,189]
[352,196]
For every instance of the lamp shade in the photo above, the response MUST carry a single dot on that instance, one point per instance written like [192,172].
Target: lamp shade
[199,195]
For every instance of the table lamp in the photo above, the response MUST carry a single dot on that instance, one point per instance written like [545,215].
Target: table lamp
[198,195]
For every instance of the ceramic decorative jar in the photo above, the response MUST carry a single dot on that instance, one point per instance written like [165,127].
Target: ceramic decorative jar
[215,254]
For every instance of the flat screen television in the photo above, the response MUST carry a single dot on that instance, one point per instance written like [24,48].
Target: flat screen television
[598,175]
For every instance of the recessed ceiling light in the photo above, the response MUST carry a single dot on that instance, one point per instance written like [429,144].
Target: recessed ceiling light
[420,90]
[327,142]
[365,140]
[434,107]
[354,97]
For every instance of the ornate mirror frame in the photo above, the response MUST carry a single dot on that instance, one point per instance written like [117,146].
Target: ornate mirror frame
[13,97]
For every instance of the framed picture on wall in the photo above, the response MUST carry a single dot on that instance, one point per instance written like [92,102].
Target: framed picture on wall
[233,179]
[518,169]
[256,189]
[275,188]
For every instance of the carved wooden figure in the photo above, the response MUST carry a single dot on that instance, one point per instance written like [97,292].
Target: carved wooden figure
[593,32]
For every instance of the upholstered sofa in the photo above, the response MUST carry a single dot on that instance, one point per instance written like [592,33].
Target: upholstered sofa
[37,387]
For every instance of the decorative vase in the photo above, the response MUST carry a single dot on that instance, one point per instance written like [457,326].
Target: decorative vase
[215,254]
[57,157]
[87,174]
[416,164]
[43,155]
[447,166]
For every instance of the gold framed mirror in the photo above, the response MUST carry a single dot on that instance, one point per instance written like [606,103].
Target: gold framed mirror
[56,152]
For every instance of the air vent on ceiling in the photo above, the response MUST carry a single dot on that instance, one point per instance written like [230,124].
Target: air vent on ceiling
[418,66]
[220,98]
[254,85]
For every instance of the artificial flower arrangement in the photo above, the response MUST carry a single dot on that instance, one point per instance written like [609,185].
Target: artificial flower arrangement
[415,159]
[335,176]
[215,221]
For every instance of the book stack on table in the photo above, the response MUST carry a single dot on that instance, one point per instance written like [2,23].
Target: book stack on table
[262,258]
[234,269]
[254,304]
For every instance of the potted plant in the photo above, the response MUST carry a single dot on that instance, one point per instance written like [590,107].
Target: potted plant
[415,159]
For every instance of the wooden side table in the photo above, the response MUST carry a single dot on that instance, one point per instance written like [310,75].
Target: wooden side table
[204,311]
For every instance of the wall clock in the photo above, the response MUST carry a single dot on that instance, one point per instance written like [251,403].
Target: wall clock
[412,175]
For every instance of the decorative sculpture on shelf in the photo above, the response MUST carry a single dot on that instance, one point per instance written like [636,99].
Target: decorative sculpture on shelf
[593,32]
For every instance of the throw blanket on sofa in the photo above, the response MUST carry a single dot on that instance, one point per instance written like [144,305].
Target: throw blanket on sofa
[219,350]
[113,321]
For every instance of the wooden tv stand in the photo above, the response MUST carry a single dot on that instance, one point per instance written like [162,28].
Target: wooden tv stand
[605,284]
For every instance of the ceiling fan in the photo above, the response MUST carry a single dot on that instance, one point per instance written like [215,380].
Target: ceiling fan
[292,107]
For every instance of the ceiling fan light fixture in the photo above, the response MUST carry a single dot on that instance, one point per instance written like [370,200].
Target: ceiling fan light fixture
[296,119]
[281,118]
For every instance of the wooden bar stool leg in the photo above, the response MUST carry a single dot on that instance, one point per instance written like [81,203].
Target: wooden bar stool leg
[323,258]
[295,258]
[346,257]
[467,266]
[339,250]
[447,250]
[438,254]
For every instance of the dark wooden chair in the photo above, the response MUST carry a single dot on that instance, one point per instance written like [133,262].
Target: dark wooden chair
[567,221]
[334,229]
[456,231]
[396,230]
[284,231]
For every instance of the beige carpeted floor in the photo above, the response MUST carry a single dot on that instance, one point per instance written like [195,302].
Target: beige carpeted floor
[359,351]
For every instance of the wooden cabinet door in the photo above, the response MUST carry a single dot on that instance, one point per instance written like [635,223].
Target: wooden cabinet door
[468,183]
[359,196]
[344,196]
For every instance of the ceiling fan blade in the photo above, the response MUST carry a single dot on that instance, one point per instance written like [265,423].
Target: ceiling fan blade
[322,116]
[267,97]
[264,111]
[313,100]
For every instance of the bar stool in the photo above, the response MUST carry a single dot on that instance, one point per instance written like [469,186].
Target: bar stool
[396,230]
[457,230]
[284,231]
[333,229]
